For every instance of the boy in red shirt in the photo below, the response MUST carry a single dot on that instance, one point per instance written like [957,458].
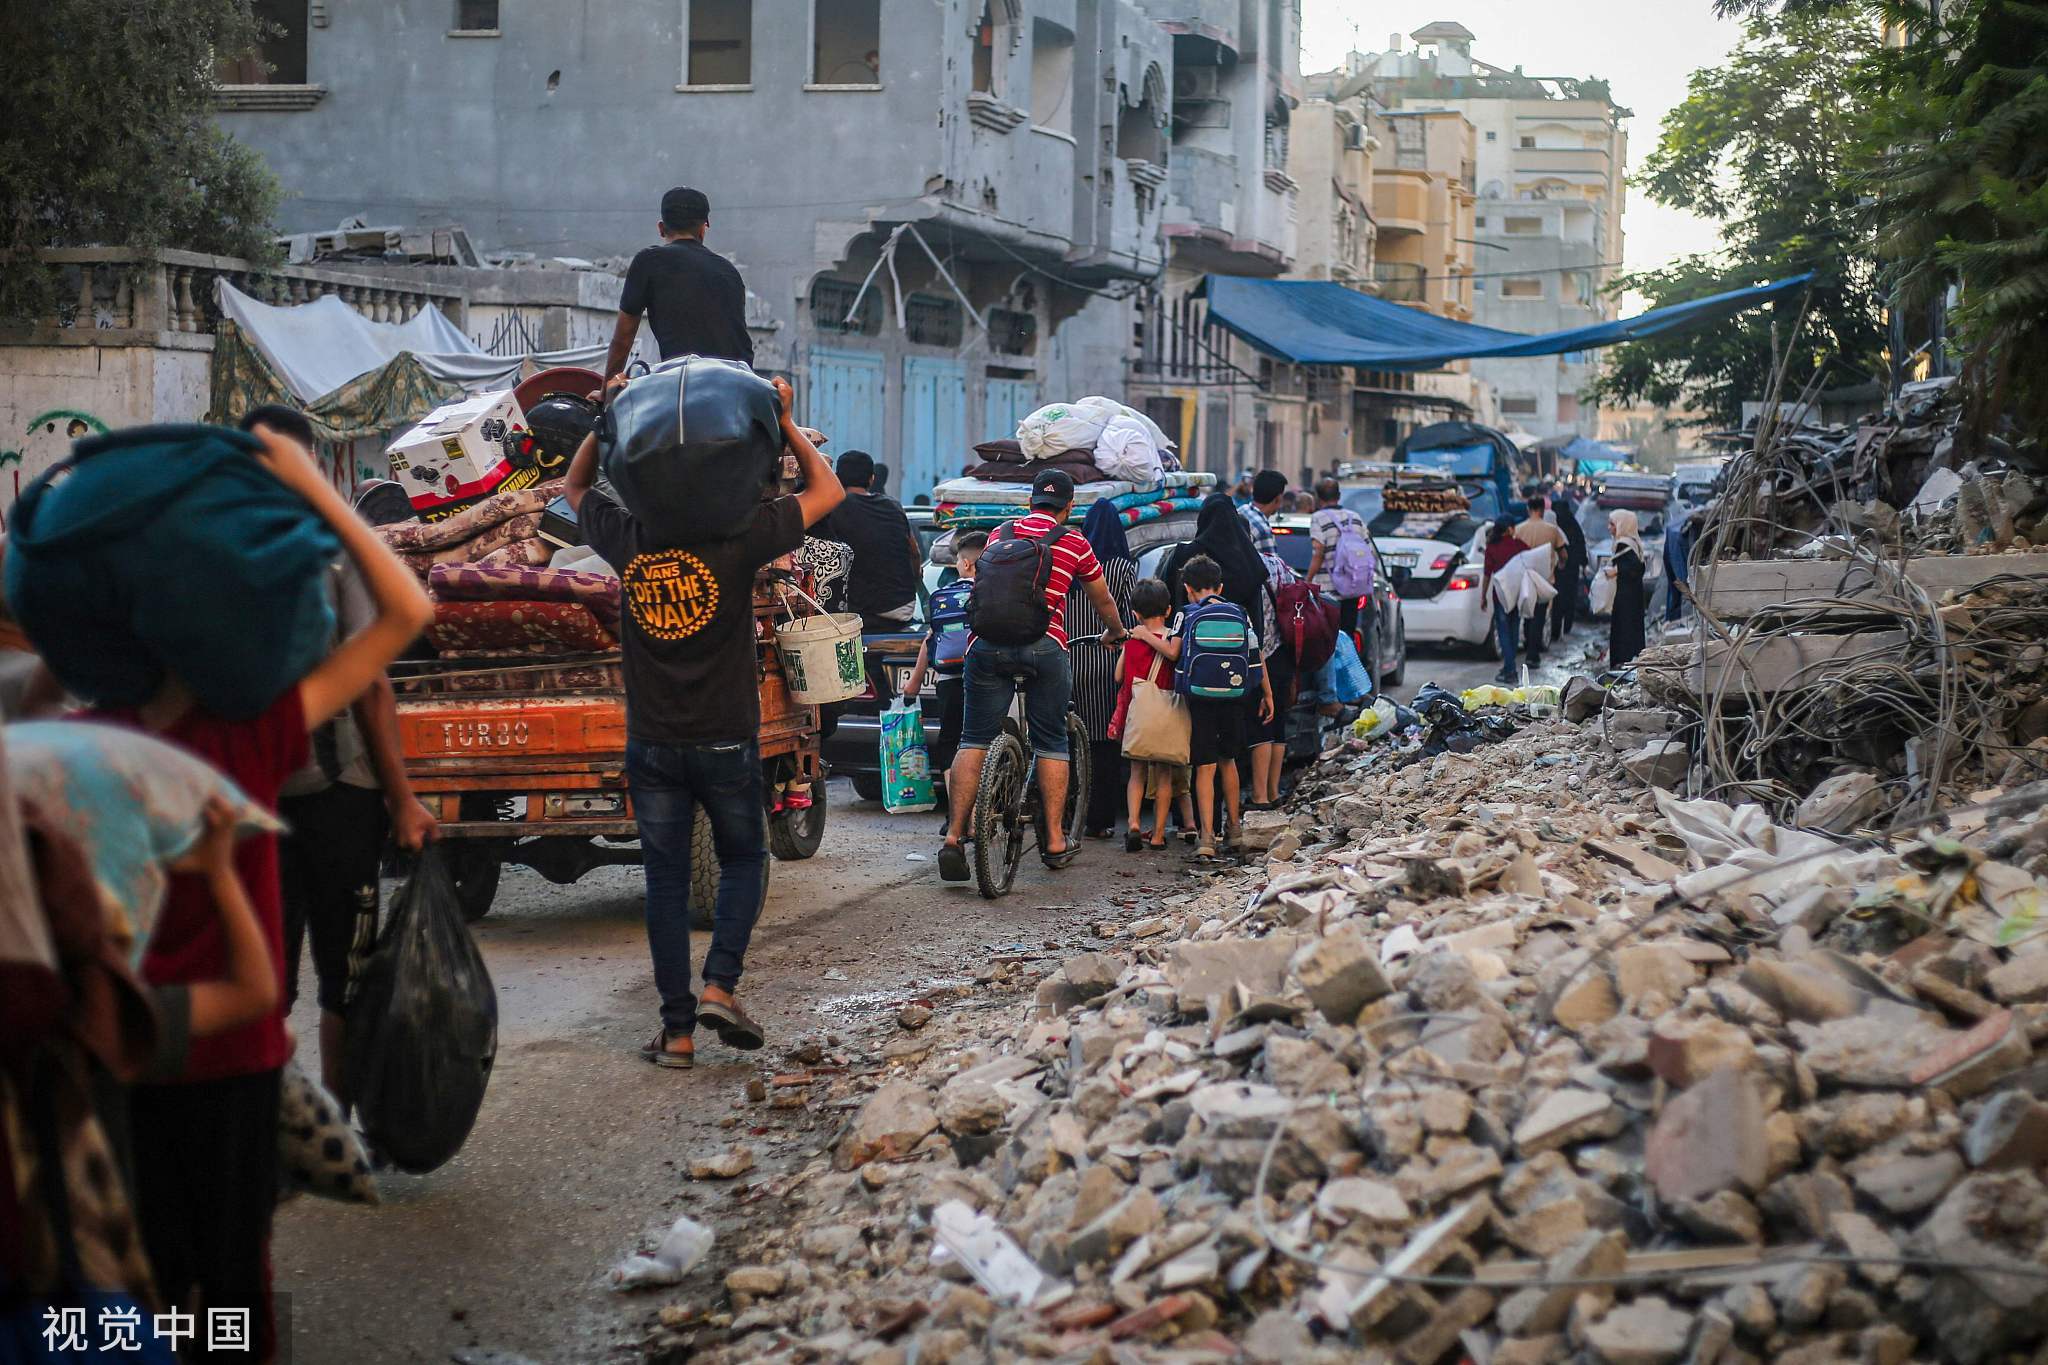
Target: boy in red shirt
[205,1144]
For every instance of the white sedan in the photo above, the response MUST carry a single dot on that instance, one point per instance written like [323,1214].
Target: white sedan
[1442,587]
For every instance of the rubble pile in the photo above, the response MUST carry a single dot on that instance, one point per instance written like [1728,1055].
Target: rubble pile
[1870,603]
[1506,1057]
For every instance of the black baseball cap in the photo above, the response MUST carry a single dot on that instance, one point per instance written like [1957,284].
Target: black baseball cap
[683,207]
[1052,488]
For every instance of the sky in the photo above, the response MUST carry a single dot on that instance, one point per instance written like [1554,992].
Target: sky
[1645,48]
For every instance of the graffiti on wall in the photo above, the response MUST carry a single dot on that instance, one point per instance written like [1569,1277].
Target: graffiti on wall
[47,440]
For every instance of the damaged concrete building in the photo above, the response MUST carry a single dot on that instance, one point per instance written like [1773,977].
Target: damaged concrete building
[993,173]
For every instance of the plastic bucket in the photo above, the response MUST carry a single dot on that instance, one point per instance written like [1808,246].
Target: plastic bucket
[822,657]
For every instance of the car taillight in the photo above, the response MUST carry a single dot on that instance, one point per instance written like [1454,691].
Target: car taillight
[1460,583]
[1442,562]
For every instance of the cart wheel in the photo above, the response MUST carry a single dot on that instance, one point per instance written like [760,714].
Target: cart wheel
[796,834]
[474,865]
[704,874]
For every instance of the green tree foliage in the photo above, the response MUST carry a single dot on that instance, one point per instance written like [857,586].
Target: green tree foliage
[107,136]
[1960,193]
[1764,146]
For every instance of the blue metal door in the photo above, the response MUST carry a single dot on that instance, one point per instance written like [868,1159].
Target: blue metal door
[845,400]
[934,424]
[1010,401]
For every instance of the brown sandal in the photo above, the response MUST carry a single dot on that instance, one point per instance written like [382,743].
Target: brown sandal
[661,1054]
[736,1028]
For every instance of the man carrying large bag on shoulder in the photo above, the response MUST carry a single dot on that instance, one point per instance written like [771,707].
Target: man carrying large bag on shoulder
[693,713]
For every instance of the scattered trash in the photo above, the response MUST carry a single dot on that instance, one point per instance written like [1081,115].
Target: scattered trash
[997,1263]
[685,1244]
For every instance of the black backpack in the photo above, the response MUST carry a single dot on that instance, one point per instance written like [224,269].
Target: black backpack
[1008,606]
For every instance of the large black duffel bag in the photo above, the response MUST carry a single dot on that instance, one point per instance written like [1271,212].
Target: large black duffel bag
[691,445]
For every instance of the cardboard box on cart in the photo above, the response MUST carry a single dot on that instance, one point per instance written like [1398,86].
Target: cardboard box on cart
[461,453]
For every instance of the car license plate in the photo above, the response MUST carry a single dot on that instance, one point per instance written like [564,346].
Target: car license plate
[898,676]
[1401,561]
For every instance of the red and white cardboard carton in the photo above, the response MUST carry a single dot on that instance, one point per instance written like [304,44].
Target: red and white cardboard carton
[461,453]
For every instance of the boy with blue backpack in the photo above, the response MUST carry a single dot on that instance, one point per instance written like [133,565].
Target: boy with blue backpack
[1217,665]
[944,651]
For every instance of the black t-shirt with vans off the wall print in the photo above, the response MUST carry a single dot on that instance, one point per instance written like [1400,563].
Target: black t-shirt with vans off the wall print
[687,621]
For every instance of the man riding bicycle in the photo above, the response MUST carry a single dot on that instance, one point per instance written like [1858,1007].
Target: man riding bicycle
[1017,616]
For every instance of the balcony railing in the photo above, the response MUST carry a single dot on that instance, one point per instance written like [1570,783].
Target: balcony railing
[169,293]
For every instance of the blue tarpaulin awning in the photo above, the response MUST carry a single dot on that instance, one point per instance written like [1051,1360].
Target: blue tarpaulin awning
[1316,322]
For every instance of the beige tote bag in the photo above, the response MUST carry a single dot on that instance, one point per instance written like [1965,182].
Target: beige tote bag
[1156,728]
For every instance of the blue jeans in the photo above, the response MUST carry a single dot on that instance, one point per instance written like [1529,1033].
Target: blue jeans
[992,671]
[1506,626]
[668,783]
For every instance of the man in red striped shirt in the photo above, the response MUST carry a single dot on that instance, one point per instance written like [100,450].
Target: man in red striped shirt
[993,671]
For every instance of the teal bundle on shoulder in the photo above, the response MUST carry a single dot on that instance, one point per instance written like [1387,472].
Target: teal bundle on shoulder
[171,549]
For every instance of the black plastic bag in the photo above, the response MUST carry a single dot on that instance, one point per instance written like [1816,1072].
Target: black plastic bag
[691,445]
[423,1028]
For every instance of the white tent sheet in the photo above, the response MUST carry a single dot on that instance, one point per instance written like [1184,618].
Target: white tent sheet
[317,347]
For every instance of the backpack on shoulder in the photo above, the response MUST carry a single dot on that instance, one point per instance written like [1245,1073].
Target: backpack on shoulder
[949,627]
[1309,623]
[1215,653]
[1351,560]
[1008,605]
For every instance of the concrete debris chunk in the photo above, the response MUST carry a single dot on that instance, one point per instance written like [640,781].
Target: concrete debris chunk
[2009,1132]
[1202,972]
[1659,763]
[893,1121]
[1341,973]
[1648,1331]
[1709,1138]
[1840,804]
[1564,1116]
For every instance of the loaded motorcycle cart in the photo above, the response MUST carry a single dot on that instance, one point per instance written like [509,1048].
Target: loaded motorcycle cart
[526,762]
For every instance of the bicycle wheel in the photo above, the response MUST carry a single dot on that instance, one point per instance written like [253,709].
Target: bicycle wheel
[1080,766]
[998,830]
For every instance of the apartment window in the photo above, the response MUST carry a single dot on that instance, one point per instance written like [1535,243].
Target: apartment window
[1522,227]
[476,16]
[1052,77]
[1012,331]
[1141,127]
[280,58]
[830,300]
[932,321]
[994,40]
[1492,136]
[1521,287]
[718,42]
[1528,141]
[1518,407]
[846,38]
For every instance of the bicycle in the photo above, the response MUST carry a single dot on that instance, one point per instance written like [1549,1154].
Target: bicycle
[1008,795]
